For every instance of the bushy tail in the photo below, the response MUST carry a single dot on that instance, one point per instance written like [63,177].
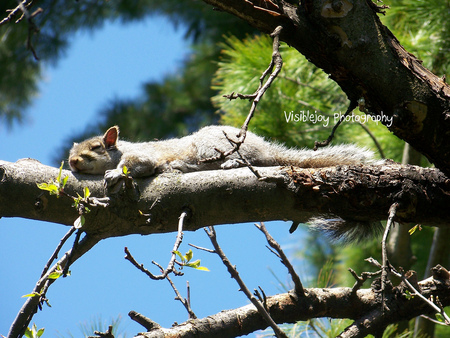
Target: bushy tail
[340,230]
[346,154]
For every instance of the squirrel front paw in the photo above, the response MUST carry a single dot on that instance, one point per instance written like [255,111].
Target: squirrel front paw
[234,163]
[114,179]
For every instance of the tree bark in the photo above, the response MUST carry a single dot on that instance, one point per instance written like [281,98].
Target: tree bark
[356,194]
[365,309]
[347,40]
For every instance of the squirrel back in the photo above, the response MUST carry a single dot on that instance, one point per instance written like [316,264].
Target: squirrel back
[101,153]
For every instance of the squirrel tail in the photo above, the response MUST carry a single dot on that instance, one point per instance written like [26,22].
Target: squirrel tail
[340,230]
[344,154]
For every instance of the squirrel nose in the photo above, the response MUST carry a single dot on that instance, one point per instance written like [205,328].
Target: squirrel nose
[73,163]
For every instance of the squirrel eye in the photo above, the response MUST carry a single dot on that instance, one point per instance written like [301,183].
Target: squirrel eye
[96,146]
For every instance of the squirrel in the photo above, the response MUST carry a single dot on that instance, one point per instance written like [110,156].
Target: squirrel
[108,155]
[103,154]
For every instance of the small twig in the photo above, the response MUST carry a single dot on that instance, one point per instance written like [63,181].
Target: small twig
[360,280]
[385,266]
[58,248]
[433,320]
[374,262]
[276,62]
[107,334]
[235,275]
[32,27]
[201,248]
[374,139]
[31,305]
[14,11]
[74,248]
[186,302]
[171,266]
[129,257]
[144,321]
[350,108]
[261,296]
[298,287]
[418,294]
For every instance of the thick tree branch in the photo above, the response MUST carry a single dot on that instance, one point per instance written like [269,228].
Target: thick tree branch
[329,302]
[349,42]
[359,194]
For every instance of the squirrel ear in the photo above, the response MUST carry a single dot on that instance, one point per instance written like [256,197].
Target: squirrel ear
[111,137]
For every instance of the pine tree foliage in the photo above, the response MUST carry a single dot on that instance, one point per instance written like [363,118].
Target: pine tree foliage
[423,27]
[300,89]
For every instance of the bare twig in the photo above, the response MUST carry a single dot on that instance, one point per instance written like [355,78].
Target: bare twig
[171,266]
[185,301]
[74,247]
[107,334]
[235,274]
[201,248]
[298,287]
[58,248]
[418,294]
[276,62]
[12,12]
[31,305]
[374,139]
[360,280]
[385,266]
[144,321]
[350,108]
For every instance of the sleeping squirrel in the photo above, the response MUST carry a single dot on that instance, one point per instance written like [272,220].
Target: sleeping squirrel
[108,155]
[102,154]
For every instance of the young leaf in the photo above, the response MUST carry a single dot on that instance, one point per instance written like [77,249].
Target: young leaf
[34,294]
[87,193]
[41,331]
[414,228]
[55,275]
[183,259]
[202,268]
[51,187]
[65,179]
[189,255]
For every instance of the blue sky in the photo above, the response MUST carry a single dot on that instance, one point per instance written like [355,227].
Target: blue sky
[114,62]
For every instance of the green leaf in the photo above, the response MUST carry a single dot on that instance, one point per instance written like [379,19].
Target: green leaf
[51,187]
[440,318]
[183,259]
[189,255]
[55,275]
[34,294]
[58,179]
[40,332]
[202,268]
[87,193]
[414,228]
[65,179]
[195,264]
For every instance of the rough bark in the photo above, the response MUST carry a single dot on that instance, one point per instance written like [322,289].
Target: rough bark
[357,194]
[365,309]
[348,41]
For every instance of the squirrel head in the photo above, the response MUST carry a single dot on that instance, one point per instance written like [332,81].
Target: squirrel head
[93,156]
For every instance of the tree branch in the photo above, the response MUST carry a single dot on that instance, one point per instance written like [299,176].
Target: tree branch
[317,302]
[366,60]
[359,194]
